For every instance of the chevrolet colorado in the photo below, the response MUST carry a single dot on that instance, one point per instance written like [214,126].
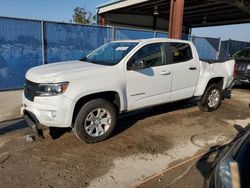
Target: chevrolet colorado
[88,94]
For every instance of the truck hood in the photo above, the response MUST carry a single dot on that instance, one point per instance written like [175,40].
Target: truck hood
[59,72]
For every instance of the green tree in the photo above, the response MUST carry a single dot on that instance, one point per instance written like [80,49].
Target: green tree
[82,16]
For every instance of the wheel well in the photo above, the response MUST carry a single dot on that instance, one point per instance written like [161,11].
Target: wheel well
[218,81]
[111,96]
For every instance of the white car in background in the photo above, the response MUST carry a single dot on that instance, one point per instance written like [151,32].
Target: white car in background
[118,77]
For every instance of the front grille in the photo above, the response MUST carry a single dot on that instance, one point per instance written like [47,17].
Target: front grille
[242,66]
[30,90]
[243,73]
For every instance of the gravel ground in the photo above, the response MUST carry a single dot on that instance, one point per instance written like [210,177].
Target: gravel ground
[144,143]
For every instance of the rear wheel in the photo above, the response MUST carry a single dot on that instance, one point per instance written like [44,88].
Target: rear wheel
[95,121]
[211,99]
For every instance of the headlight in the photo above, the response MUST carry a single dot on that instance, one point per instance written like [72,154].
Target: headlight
[52,89]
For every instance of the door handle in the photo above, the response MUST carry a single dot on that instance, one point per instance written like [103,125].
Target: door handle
[192,68]
[165,72]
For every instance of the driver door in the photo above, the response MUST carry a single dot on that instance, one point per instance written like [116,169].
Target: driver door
[151,84]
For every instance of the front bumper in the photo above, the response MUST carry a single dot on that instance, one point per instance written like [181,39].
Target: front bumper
[33,123]
[54,111]
[247,81]
[243,77]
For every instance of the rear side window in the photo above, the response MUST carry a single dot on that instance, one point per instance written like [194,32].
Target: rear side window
[181,52]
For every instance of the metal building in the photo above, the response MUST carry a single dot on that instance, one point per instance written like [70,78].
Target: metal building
[175,16]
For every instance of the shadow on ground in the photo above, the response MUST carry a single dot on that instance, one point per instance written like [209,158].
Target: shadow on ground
[242,86]
[56,133]
[8,127]
[124,122]
[127,120]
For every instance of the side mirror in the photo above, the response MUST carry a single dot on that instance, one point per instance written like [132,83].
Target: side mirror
[227,174]
[138,64]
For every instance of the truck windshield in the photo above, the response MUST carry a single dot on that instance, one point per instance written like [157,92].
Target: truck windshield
[110,53]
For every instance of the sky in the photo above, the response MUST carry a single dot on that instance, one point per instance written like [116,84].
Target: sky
[235,32]
[62,10]
[52,10]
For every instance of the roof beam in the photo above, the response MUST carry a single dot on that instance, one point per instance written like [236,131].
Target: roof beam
[212,19]
[161,6]
[210,9]
[119,5]
[212,14]
[241,4]
[219,23]
[151,3]
[200,6]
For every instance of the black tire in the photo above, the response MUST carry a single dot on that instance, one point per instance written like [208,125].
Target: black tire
[79,126]
[204,102]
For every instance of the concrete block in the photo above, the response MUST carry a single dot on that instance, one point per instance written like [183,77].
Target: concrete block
[10,104]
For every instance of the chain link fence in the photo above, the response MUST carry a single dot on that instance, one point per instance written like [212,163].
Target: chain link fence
[20,49]
[126,34]
[28,43]
[64,42]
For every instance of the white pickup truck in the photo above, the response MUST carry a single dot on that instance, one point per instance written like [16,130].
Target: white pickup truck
[89,94]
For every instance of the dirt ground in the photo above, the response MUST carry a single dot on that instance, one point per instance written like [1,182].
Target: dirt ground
[145,143]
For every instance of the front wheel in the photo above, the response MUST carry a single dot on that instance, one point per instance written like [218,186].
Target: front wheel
[211,99]
[95,121]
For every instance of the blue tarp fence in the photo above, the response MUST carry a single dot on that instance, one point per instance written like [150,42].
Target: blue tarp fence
[27,43]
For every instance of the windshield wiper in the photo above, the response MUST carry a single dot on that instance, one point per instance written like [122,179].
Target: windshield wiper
[97,62]
[87,60]
[83,59]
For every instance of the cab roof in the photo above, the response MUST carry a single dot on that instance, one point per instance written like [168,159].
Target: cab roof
[154,40]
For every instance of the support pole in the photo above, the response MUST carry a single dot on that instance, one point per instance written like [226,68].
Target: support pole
[43,43]
[218,50]
[154,22]
[176,19]
[113,33]
[102,20]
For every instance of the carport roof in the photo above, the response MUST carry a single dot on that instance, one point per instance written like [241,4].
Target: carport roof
[197,13]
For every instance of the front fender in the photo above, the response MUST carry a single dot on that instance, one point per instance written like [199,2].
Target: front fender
[99,91]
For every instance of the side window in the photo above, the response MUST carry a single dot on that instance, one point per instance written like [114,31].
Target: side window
[181,52]
[152,54]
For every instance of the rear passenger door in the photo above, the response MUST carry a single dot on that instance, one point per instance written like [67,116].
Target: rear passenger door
[186,71]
